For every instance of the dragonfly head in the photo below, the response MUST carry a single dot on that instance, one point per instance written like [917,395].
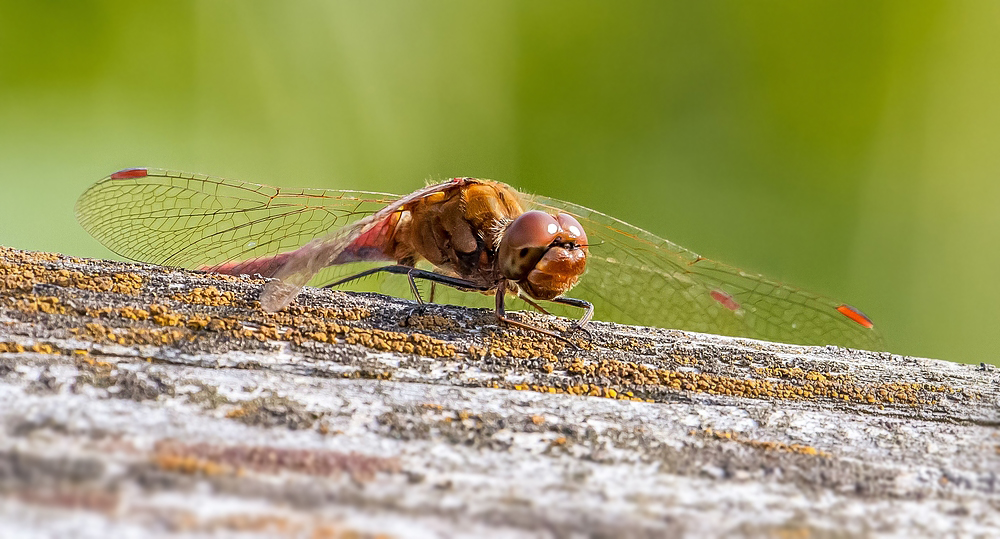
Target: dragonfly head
[544,254]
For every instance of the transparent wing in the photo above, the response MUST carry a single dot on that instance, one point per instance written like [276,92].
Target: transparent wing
[636,277]
[363,237]
[215,224]
[202,222]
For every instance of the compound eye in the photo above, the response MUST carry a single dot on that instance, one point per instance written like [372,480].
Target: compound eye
[525,242]
[532,229]
[573,228]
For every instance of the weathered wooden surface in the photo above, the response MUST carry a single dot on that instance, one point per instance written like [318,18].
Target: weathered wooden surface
[145,401]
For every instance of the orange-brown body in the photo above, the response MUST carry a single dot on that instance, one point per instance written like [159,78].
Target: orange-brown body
[459,231]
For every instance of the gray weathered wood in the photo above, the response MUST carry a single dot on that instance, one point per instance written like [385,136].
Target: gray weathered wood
[145,401]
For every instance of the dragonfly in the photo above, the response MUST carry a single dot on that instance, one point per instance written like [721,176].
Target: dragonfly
[469,234]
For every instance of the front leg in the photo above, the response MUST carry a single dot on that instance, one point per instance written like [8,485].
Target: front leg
[502,317]
[587,314]
[412,274]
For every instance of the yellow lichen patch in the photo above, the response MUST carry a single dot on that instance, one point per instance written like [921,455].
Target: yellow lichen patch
[229,278]
[23,276]
[165,317]
[295,323]
[43,304]
[842,386]
[636,345]
[19,276]
[583,390]
[807,386]
[11,348]
[198,321]
[44,348]
[119,283]
[686,360]
[27,256]
[100,333]
[102,312]
[763,445]
[130,313]
[519,347]
[307,327]
[7,347]
[207,296]
[407,343]
[127,283]
[289,316]
[325,332]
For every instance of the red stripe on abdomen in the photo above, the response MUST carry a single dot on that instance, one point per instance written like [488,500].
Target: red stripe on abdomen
[373,245]
[265,265]
[369,246]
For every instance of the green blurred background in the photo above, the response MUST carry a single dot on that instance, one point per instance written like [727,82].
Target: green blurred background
[848,147]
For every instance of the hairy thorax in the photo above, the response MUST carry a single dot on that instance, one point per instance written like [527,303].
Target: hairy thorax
[458,231]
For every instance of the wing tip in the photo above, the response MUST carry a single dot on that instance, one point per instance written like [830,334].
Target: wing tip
[856,315]
[130,173]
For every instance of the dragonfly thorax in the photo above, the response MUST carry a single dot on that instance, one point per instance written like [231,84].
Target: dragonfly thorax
[458,230]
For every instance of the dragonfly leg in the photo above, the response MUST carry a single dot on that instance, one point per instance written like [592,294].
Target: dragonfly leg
[412,274]
[587,315]
[502,317]
[579,325]
[388,269]
[532,302]
[413,288]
